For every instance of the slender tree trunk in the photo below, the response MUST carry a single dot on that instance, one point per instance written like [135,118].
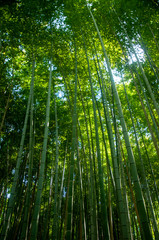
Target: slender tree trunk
[140,66]
[55,218]
[4,115]
[91,194]
[117,185]
[27,203]
[154,37]
[149,58]
[139,196]
[142,104]
[36,211]
[70,190]
[11,201]
[100,173]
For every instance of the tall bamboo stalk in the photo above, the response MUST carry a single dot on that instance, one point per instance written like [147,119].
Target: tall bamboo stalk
[36,211]
[154,223]
[140,66]
[27,203]
[154,37]
[100,171]
[12,198]
[149,58]
[133,170]
[83,235]
[142,88]
[141,101]
[55,218]
[117,185]
[71,178]
[91,194]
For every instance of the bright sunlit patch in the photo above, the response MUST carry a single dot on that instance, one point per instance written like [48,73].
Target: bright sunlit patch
[140,54]
[98,96]
[116,76]
[60,94]
[8,195]
[89,4]
[60,22]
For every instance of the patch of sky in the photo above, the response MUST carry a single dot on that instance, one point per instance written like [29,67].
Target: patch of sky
[11,128]
[116,76]
[7,59]
[51,66]
[22,49]
[10,72]
[17,89]
[64,192]
[61,92]
[98,95]
[71,46]
[89,4]
[148,135]
[140,54]
[60,22]
[8,195]
[79,144]
[115,73]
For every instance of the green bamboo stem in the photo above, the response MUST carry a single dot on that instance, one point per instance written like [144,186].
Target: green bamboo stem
[70,189]
[138,191]
[92,200]
[149,58]
[154,223]
[11,201]
[104,100]
[152,173]
[47,221]
[100,173]
[130,186]
[96,183]
[146,116]
[147,102]
[27,203]
[4,115]
[149,107]
[62,180]
[8,101]
[36,211]
[84,235]
[123,185]
[125,227]
[153,37]
[86,184]
[141,68]
[125,197]
[55,218]
[141,101]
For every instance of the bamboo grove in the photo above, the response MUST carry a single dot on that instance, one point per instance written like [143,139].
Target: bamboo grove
[79,126]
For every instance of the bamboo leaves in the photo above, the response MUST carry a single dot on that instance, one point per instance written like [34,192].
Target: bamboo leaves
[87,166]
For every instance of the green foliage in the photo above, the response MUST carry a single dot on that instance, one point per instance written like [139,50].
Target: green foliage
[98,162]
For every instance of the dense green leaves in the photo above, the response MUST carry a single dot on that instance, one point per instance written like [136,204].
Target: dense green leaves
[92,172]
